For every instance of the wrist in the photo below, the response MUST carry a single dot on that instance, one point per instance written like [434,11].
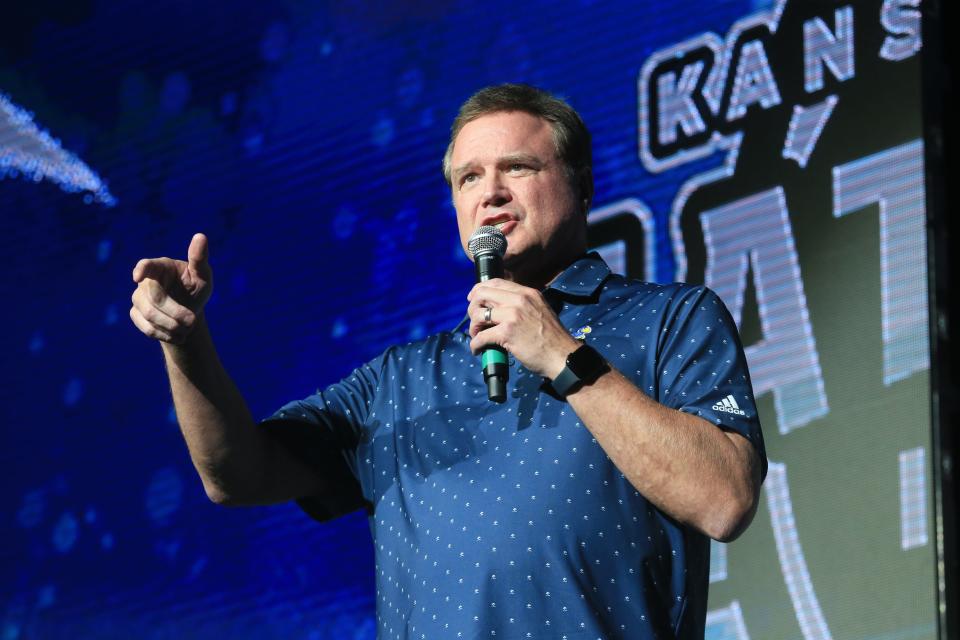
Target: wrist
[558,361]
[582,367]
[196,339]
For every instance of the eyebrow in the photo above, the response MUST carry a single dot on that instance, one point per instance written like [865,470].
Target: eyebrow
[507,159]
[528,158]
[465,166]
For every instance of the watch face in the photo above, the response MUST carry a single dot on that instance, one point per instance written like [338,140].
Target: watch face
[585,362]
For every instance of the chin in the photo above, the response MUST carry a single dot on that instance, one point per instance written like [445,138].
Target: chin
[512,260]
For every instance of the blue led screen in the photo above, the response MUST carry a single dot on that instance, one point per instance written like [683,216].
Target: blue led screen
[769,149]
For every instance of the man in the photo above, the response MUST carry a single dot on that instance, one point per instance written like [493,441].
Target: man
[579,508]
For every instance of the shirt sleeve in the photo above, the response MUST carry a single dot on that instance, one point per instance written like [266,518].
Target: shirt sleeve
[323,431]
[702,367]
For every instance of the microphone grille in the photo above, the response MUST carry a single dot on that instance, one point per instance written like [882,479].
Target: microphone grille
[487,239]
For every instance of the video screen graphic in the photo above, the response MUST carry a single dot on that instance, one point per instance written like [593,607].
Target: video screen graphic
[812,230]
[771,150]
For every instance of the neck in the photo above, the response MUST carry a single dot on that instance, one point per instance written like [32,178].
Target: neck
[540,274]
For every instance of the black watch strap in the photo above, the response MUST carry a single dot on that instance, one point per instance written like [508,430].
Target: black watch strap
[583,367]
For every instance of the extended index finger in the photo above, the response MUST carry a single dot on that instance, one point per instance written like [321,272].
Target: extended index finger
[155,268]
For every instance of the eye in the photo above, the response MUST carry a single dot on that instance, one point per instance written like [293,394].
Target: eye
[518,166]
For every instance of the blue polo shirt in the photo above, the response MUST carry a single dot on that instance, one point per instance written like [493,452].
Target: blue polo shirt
[509,520]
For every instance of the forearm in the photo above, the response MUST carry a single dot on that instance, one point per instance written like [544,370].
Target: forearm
[690,469]
[225,446]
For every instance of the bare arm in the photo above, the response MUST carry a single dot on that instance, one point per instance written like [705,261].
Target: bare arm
[697,473]
[237,462]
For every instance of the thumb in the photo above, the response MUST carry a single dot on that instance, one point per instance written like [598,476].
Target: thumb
[197,255]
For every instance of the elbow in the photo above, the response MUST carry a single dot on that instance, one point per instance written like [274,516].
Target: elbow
[734,506]
[242,489]
[218,496]
[732,516]
[730,528]
[228,486]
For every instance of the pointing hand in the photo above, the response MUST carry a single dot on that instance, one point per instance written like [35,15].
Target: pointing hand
[171,294]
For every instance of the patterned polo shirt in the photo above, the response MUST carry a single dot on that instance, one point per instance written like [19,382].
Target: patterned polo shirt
[494,521]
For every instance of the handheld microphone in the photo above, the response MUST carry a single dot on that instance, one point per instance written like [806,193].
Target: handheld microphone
[488,244]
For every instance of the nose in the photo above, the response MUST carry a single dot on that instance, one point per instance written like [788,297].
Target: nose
[495,191]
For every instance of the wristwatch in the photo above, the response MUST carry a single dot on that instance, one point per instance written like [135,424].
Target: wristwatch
[583,367]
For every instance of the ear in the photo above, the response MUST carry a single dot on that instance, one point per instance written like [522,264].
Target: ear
[585,188]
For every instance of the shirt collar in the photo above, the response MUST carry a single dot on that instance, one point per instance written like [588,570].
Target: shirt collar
[581,279]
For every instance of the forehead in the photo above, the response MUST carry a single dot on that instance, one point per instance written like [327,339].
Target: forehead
[503,133]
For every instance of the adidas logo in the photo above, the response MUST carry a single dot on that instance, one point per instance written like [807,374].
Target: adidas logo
[729,405]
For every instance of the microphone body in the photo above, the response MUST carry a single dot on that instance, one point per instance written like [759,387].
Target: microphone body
[488,244]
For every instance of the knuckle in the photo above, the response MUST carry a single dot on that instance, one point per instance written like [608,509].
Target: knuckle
[157,294]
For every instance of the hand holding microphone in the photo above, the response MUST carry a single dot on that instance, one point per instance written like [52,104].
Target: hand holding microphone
[488,245]
[510,317]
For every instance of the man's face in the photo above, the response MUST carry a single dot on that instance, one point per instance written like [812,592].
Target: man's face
[506,172]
